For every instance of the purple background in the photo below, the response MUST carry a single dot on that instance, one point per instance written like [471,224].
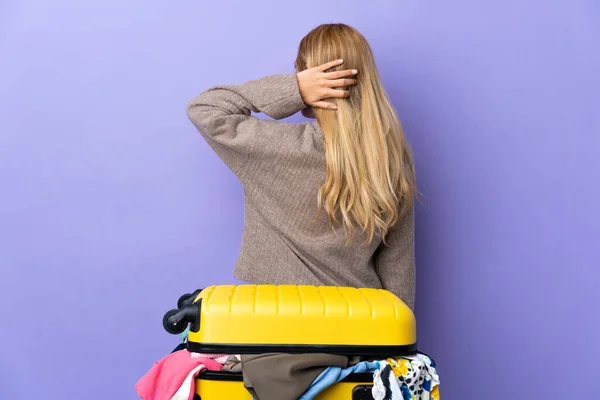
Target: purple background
[112,205]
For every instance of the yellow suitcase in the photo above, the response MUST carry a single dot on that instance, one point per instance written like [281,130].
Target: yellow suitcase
[231,319]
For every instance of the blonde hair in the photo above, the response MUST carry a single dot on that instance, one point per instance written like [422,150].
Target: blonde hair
[370,180]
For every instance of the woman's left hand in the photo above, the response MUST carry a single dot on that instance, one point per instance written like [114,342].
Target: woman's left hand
[316,85]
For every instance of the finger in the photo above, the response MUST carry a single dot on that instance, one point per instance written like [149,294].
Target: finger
[338,93]
[325,105]
[339,74]
[330,64]
[340,82]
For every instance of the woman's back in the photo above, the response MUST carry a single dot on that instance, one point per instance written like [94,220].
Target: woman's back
[283,168]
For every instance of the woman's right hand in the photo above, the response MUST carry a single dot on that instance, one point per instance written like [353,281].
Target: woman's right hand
[316,85]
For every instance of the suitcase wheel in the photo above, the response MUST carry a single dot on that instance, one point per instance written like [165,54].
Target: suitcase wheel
[188,298]
[173,324]
[182,299]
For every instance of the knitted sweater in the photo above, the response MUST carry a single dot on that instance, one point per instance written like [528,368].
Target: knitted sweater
[281,166]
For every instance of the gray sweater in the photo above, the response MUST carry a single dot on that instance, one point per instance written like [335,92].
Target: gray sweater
[281,166]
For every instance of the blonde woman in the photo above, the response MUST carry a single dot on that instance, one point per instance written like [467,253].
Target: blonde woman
[327,202]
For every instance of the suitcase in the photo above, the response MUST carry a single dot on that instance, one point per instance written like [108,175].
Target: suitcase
[371,323]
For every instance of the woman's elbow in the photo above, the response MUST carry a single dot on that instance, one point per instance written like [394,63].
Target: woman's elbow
[192,109]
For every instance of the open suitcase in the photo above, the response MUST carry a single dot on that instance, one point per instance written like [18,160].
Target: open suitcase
[255,319]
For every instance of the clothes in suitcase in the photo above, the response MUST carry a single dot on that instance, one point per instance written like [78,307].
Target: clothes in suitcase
[256,319]
[222,385]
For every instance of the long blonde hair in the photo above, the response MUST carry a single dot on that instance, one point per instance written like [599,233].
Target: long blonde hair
[370,181]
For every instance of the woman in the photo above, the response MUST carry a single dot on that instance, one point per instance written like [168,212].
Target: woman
[328,202]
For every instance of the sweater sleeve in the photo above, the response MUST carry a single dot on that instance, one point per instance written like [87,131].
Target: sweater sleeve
[222,114]
[395,259]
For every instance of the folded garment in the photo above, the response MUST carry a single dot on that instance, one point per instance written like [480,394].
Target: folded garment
[284,376]
[166,377]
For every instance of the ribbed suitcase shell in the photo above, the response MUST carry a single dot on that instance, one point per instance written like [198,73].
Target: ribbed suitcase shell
[302,319]
[248,319]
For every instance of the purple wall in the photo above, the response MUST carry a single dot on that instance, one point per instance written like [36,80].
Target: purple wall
[112,205]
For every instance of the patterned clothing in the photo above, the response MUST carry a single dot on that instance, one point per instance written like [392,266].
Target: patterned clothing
[407,378]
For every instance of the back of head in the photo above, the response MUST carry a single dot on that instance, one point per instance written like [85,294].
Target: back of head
[370,179]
